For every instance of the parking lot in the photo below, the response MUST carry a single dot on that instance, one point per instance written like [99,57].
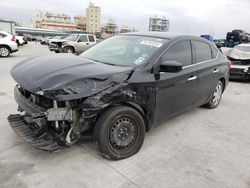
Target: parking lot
[200,148]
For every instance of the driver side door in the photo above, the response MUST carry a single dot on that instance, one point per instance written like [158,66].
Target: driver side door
[82,43]
[175,91]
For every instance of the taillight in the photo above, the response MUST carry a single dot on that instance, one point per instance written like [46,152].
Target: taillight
[13,38]
[229,63]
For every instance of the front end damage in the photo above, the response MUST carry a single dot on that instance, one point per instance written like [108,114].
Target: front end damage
[59,104]
[44,123]
[49,124]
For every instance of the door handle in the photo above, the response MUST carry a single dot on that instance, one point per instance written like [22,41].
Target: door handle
[192,78]
[215,71]
[87,43]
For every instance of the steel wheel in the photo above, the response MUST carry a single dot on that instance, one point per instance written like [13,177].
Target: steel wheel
[122,133]
[119,132]
[4,52]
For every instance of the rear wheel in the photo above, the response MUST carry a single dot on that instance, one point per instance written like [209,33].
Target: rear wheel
[216,98]
[119,133]
[69,49]
[4,51]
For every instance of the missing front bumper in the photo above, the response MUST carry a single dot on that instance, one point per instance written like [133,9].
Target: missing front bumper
[41,139]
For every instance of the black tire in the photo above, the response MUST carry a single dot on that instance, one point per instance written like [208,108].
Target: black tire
[119,132]
[69,49]
[4,51]
[216,97]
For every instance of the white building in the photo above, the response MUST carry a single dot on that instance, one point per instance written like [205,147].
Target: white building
[93,19]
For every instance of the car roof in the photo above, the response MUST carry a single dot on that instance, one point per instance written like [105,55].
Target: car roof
[167,35]
[4,32]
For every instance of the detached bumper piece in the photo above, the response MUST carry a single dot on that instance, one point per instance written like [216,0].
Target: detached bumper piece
[39,139]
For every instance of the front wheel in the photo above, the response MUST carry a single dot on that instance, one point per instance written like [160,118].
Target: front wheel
[216,97]
[4,51]
[69,49]
[119,133]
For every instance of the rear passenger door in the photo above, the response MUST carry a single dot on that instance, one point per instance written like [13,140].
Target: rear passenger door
[207,70]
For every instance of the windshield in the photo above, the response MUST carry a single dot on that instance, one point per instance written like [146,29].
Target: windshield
[243,48]
[124,50]
[72,37]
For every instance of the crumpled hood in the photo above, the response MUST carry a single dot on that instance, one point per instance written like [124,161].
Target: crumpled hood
[53,72]
[235,53]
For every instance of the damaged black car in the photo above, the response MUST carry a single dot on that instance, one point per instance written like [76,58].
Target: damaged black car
[119,88]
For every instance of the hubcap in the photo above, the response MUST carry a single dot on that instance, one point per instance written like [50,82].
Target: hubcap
[217,94]
[4,52]
[122,132]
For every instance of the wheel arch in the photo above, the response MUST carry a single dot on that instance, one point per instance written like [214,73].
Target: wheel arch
[223,80]
[133,105]
[4,45]
[69,46]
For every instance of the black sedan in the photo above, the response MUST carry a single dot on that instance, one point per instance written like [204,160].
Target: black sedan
[119,89]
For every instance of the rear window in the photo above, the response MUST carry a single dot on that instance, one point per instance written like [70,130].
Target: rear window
[202,51]
[91,38]
[2,35]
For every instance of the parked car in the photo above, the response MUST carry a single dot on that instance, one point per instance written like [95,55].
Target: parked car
[56,39]
[121,87]
[20,40]
[240,58]
[220,42]
[75,43]
[45,40]
[23,38]
[7,44]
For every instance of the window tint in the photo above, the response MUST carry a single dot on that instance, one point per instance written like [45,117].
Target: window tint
[91,38]
[180,52]
[202,51]
[214,51]
[83,38]
[2,35]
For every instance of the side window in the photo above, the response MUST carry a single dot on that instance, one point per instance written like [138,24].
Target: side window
[180,52]
[91,38]
[202,51]
[214,52]
[83,38]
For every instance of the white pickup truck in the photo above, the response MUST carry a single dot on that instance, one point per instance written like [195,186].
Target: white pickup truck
[74,43]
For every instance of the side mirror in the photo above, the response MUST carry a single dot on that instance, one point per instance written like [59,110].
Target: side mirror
[170,66]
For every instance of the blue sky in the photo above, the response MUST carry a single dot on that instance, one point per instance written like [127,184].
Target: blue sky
[186,16]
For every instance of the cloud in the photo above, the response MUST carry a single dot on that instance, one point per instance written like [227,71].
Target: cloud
[191,17]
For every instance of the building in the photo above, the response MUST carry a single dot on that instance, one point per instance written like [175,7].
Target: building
[110,27]
[93,19]
[48,20]
[8,26]
[81,22]
[125,29]
[158,24]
